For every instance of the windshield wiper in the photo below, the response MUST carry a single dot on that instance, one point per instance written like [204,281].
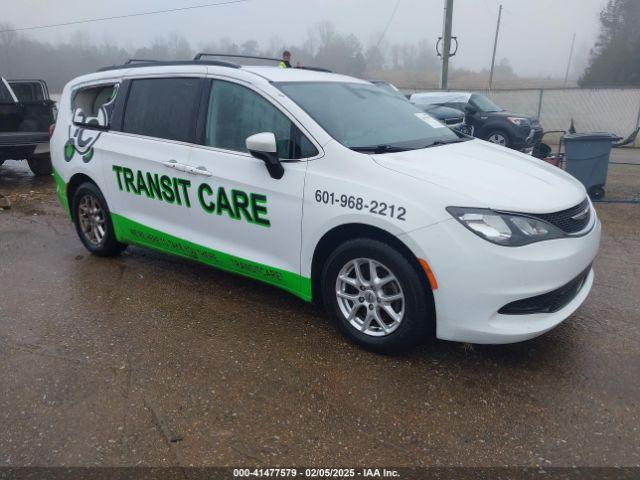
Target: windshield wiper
[380,149]
[446,142]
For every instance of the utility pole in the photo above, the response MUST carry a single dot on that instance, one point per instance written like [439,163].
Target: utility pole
[495,47]
[566,75]
[446,46]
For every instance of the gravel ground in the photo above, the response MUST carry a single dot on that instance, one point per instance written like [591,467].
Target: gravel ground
[150,360]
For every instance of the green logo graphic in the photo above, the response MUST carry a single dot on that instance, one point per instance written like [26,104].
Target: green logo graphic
[85,131]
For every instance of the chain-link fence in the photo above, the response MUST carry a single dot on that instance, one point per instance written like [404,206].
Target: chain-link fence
[613,110]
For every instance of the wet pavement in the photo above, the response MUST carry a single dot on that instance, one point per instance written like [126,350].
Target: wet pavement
[150,360]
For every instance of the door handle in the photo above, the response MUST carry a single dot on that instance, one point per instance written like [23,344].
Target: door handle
[198,171]
[201,171]
[181,167]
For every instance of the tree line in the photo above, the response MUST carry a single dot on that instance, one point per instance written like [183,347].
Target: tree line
[615,58]
[22,56]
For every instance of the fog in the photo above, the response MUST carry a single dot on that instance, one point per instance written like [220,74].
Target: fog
[535,35]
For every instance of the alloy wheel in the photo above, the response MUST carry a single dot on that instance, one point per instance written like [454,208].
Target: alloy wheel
[92,219]
[370,297]
[498,139]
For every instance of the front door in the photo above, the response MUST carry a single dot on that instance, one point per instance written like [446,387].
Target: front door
[249,220]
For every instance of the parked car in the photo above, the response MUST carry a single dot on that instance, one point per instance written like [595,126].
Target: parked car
[315,183]
[451,117]
[488,121]
[390,88]
[25,118]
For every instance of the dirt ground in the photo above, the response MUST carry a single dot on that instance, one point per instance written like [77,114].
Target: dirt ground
[151,360]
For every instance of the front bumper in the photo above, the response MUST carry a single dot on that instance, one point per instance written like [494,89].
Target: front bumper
[527,139]
[477,278]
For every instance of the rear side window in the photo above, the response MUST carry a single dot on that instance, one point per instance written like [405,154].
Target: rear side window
[236,112]
[92,106]
[5,96]
[163,108]
[27,91]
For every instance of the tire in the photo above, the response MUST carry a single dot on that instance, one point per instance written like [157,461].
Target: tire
[85,200]
[596,192]
[415,323]
[499,137]
[41,167]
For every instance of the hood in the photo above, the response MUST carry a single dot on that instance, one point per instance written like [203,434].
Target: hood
[442,113]
[507,113]
[489,176]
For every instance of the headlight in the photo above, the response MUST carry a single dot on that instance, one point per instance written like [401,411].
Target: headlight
[508,229]
[519,121]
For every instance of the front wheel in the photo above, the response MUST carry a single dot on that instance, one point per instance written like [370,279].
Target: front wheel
[92,219]
[499,138]
[376,296]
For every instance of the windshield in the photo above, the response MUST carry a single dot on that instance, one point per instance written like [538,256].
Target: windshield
[484,104]
[361,116]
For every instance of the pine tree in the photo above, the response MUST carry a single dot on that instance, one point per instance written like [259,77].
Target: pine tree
[615,58]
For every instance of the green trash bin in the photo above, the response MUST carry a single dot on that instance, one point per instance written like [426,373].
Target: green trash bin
[587,159]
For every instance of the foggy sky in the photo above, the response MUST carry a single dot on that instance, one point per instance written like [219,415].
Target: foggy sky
[535,34]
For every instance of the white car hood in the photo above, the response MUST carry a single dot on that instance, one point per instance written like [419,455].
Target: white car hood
[492,176]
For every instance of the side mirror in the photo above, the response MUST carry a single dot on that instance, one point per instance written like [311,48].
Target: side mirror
[263,146]
[470,109]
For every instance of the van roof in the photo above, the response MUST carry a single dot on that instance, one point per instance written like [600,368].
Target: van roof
[241,72]
[276,74]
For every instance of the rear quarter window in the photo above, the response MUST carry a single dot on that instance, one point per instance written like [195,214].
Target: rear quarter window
[92,106]
[163,108]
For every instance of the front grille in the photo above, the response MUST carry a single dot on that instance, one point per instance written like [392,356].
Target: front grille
[570,220]
[548,302]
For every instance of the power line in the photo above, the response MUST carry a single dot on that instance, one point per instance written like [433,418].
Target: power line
[117,17]
[384,32]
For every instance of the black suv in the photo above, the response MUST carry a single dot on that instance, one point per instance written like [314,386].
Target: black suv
[488,121]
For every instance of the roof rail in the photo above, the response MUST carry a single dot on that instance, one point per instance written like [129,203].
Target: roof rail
[229,55]
[316,69]
[140,60]
[199,56]
[137,63]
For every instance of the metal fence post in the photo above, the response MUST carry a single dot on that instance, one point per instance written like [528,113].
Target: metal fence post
[637,142]
[540,104]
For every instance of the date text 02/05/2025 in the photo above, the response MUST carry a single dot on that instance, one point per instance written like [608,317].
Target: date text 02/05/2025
[353,202]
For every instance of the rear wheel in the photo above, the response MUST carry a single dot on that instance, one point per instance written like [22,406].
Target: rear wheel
[92,219]
[596,192]
[376,296]
[40,166]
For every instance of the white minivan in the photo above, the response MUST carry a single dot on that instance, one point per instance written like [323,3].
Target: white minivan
[331,189]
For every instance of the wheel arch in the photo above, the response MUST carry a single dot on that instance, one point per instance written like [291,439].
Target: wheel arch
[341,233]
[74,182]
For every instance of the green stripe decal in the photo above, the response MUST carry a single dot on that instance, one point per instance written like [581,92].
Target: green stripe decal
[129,231]
[61,192]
